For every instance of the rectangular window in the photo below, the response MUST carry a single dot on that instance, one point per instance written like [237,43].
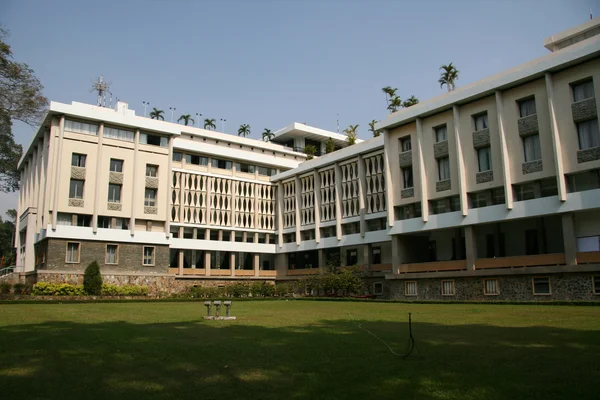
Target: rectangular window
[480,121]
[588,134]
[116,165]
[587,180]
[154,140]
[266,171]
[84,220]
[596,284]
[177,156]
[484,158]
[491,287]
[247,168]
[407,173]
[119,134]
[221,164]
[76,189]
[448,288]
[527,107]
[152,170]
[64,219]
[378,288]
[376,255]
[409,211]
[72,252]
[441,134]
[78,160]
[443,169]
[541,286]
[351,257]
[114,193]
[196,160]
[410,288]
[150,198]
[406,144]
[81,127]
[531,148]
[583,90]
[112,253]
[148,256]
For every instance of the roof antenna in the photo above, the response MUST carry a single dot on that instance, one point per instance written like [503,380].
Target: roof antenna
[338,122]
[102,88]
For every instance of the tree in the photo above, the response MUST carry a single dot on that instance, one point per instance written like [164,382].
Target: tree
[310,151]
[7,239]
[395,104]
[329,146]
[375,132]
[244,130]
[267,135]
[351,134]
[10,154]
[186,119]
[209,123]
[20,91]
[389,94]
[92,279]
[411,101]
[448,77]
[157,114]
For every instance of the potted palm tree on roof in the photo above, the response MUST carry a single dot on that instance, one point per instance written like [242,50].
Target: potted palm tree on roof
[157,114]
[351,134]
[244,130]
[209,123]
[448,77]
[186,118]
[267,135]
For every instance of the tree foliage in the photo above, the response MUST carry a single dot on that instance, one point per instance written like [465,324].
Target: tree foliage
[7,239]
[267,135]
[92,279]
[375,132]
[157,114]
[244,130]
[448,77]
[310,151]
[10,153]
[186,119]
[329,146]
[351,134]
[209,123]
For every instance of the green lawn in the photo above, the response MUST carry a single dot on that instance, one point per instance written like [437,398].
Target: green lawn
[298,350]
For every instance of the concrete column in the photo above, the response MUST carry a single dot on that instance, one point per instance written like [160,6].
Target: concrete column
[234,194]
[182,191]
[508,193]
[317,196]
[471,247]
[281,264]
[168,189]
[98,172]
[322,261]
[50,172]
[207,254]
[232,263]
[298,204]
[367,256]
[57,171]
[256,264]
[569,238]
[256,208]
[362,194]
[208,197]
[462,183]
[134,189]
[387,176]
[398,252]
[556,145]
[422,173]
[180,260]
[279,214]
[338,201]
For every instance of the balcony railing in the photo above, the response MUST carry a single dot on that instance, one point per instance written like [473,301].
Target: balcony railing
[244,272]
[267,273]
[538,260]
[303,271]
[380,267]
[435,266]
[590,257]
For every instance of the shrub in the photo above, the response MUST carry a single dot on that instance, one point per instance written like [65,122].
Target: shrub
[267,289]
[238,290]
[57,289]
[92,280]
[256,289]
[5,288]
[20,288]
[284,289]
[125,290]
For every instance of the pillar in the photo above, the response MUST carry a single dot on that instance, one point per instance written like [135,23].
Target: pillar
[57,171]
[362,201]
[338,201]
[462,185]
[556,146]
[569,238]
[471,247]
[98,172]
[422,174]
[317,197]
[297,191]
[168,189]
[508,193]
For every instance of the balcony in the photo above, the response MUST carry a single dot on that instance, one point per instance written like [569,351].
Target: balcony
[380,267]
[244,272]
[528,125]
[303,271]
[435,266]
[540,260]
[590,257]
[220,272]
[188,271]
[267,273]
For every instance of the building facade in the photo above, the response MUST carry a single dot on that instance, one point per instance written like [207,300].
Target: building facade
[491,191]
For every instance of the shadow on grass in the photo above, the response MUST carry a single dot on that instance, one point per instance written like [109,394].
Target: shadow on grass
[330,359]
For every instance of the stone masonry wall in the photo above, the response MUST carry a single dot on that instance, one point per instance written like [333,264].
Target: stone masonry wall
[130,257]
[564,287]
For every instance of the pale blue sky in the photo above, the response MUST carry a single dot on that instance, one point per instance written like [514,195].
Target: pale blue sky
[270,63]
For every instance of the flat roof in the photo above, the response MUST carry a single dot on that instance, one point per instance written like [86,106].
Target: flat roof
[570,33]
[309,132]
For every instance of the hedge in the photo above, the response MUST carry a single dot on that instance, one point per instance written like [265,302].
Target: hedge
[66,289]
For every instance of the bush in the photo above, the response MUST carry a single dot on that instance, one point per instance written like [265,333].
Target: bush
[92,280]
[20,288]
[238,290]
[57,289]
[125,290]
[199,292]
[5,288]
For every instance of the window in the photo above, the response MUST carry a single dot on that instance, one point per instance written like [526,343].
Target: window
[409,211]
[266,171]
[448,288]
[116,165]
[446,204]
[407,174]
[177,156]
[247,168]
[378,288]
[587,180]
[531,147]
[376,255]
[150,198]
[376,224]
[196,160]
[596,284]
[221,164]
[78,160]
[119,134]
[64,219]
[491,287]
[76,189]
[148,256]
[154,140]
[410,288]
[249,237]
[83,220]
[72,253]
[405,144]
[114,193]
[535,189]
[588,134]
[487,198]
[541,286]
[484,159]
[351,257]
[441,134]
[527,107]
[152,170]
[443,169]
[308,234]
[583,90]
[531,242]
[351,228]
[81,127]
[111,256]
[481,121]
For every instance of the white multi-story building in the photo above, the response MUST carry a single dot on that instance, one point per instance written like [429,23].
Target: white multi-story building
[492,189]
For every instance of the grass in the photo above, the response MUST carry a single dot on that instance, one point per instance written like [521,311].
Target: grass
[298,350]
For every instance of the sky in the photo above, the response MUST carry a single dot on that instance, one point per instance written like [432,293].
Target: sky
[271,63]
